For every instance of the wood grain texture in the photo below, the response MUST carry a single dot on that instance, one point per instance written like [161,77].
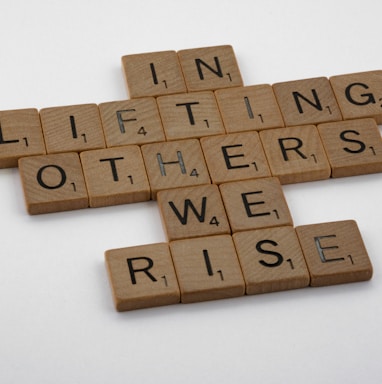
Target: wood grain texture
[73,128]
[115,176]
[359,94]
[20,136]
[210,68]
[236,156]
[134,121]
[174,164]
[307,101]
[335,253]
[353,147]
[271,260]
[255,204]
[207,268]
[190,115]
[250,108]
[142,277]
[192,212]
[53,183]
[153,74]
[295,154]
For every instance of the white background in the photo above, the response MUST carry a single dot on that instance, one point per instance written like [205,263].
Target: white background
[57,319]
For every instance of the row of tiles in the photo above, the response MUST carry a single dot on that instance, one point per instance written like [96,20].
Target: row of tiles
[28,132]
[131,174]
[249,262]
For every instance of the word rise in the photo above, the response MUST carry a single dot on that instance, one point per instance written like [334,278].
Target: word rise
[214,154]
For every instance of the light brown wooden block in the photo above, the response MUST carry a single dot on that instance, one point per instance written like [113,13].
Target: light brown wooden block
[174,164]
[335,253]
[255,204]
[236,156]
[190,115]
[354,147]
[192,212]
[271,260]
[210,68]
[20,135]
[135,121]
[115,176]
[153,74]
[295,154]
[53,183]
[142,277]
[359,94]
[250,108]
[207,268]
[73,128]
[308,101]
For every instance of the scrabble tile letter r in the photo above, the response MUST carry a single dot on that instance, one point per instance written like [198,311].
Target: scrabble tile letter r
[210,68]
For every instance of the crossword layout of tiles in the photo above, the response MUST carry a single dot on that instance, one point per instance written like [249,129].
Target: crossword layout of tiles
[214,154]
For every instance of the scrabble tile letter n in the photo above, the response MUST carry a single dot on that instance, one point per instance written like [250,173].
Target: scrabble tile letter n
[210,68]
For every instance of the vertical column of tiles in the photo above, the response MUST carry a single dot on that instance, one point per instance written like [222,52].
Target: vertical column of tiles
[308,101]
[192,212]
[251,108]
[210,68]
[271,260]
[142,277]
[53,183]
[255,204]
[174,164]
[115,176]
[236,156]
[20,135]
[295,154]
[153,74]
[334,252]
[134,121]
[207,268]
[72,128]
[359,94]
[190,115]
[354,147]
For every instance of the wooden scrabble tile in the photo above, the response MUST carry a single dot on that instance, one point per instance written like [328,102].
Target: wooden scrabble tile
[359,94]
[135,121]
[142,277]
[354,147]
[255,204]
[236,156]
[192,212]
[207,268]
[295,154]
[271,260]
[115,176]
[190,115]
[174,164]
[250,108]
[53,183]
[73,128]
[153,74]
[334,252]
[210,68]
[308,101]
[20,135]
